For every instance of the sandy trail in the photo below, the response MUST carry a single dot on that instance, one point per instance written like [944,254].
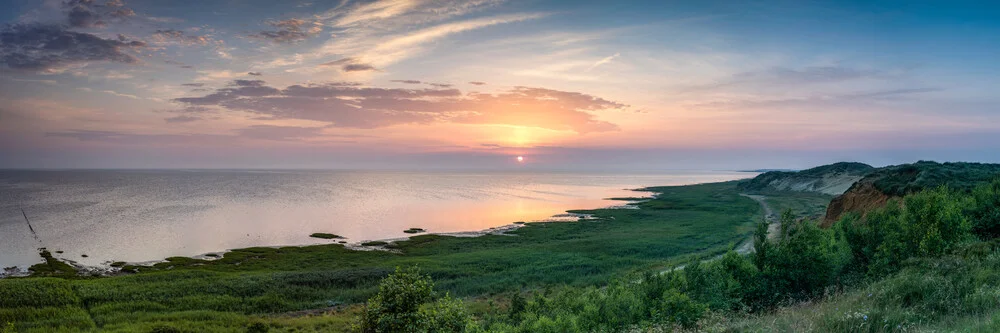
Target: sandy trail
[769,216]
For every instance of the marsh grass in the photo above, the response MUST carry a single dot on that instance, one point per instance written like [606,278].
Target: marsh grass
[51,266]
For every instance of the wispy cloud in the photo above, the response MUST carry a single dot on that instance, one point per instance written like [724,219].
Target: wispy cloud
[603,61]
[405,46]
[376,10]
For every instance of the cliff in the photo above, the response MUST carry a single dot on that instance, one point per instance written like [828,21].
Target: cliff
[883,184]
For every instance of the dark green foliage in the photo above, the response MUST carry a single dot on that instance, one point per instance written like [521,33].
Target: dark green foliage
[517,306]
[800,265]
[52,266]
[762,247]
[414,230]
[374,243]
[900,180]
[40,292]
[405,303]
[324,235]
[258,327]
[928,223]
[679,308]
[984,210]
[446,314]
[619,306]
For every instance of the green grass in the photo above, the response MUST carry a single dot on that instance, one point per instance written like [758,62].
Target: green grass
[803,204]
[231,291]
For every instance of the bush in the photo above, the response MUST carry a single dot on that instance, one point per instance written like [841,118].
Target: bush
[258,327]
[984,210]
[679,308]
[800,265]
[446,315]
[403,304]
[924,224]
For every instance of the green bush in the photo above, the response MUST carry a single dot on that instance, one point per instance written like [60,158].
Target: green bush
[445,315]
[406,303]
[799,265]
[679,308]
[258,327]
[924,224]
[984,210]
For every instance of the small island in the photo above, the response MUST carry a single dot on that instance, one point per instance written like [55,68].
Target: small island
[324,235]
[414,230]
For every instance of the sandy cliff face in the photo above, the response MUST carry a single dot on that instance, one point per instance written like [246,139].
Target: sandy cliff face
[860,198]
[832,184]
[832,179]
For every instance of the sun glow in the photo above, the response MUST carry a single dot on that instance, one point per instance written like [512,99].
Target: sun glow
[520,159]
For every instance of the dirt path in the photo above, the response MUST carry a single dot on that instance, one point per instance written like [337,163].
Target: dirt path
[747,245]
[769,216]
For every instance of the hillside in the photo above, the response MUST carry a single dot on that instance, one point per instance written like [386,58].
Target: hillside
[883,184]
[831,179]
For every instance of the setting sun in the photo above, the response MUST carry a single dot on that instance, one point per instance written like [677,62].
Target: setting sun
[520,159]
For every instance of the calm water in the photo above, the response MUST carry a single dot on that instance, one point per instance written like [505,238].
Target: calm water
[148,215]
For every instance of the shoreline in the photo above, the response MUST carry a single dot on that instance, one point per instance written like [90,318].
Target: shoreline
[106,268]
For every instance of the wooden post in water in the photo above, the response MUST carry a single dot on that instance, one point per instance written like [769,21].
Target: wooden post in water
[33,233]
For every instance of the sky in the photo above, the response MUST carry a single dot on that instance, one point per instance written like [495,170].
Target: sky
[645,85]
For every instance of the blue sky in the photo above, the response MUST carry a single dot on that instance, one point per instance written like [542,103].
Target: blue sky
[448,83]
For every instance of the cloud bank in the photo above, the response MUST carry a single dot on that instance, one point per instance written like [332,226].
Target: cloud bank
[352,106]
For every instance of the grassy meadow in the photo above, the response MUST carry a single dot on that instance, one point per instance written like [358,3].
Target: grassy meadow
[282,287]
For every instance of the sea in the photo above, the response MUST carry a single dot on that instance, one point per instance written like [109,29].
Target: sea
[95,217]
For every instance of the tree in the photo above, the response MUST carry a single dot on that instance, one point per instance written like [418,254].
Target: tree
[760,245]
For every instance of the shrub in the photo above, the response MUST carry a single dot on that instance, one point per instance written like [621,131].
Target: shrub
[258,327]
[517,306]
[929,223]
[984,210]
[404,304]
[445,315]
[679,308]
[396,306]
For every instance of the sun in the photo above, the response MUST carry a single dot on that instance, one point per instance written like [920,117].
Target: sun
[520,159]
